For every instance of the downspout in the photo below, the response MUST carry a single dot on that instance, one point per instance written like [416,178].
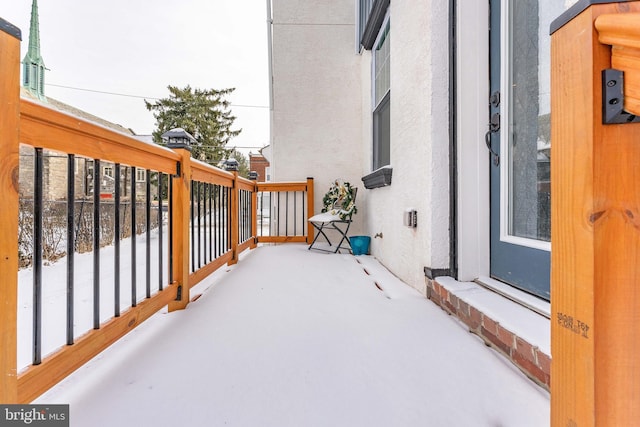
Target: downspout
[453,144]
[270,73]
[270,52]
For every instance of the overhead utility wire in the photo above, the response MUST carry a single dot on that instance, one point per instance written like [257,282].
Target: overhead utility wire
[139,96]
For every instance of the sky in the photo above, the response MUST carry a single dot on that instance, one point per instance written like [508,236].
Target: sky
[292,337]
[139,47]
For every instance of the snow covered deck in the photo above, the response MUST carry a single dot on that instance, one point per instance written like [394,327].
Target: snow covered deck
[291,337]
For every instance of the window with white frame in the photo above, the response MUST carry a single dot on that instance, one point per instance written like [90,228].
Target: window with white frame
[141,175]
[108,171]
[382,98]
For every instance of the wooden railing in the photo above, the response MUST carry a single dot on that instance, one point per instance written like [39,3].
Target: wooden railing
[212,218]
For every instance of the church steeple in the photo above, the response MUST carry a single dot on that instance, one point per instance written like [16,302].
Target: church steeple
[32,64]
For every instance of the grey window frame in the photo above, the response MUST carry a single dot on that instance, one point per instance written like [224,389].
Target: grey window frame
[371,17]
[381,104]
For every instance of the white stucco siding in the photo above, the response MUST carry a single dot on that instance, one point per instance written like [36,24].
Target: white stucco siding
[322,121]
[316,118]
[439,134]
[419,145]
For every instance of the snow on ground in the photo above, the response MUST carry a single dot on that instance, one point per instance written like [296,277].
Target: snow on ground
[291,337]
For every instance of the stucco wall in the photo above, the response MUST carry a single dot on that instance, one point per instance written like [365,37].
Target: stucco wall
[419,144]
[322,121]
[316,115]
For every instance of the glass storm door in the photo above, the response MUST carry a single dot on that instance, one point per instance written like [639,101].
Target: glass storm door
[519,142]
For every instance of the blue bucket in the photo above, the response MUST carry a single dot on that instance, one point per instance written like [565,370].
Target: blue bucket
[360,244]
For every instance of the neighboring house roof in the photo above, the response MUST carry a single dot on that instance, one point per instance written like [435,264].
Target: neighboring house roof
[66,108]
[266,152]
[145,138]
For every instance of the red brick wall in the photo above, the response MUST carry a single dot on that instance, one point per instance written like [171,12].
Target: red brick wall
[258,163]
[529,359]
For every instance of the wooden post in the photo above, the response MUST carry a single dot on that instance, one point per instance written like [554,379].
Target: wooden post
[181,205]
[9,159]
[595,260]
[234,223]
[310,209]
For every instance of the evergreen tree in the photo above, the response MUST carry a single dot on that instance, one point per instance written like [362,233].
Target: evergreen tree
[204,114]
[243,163]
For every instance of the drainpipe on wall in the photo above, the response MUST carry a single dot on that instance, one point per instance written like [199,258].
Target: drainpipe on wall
[270,53]
[453,144]
[270,72]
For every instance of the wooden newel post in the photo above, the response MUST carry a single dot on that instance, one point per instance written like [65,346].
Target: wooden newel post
[595,258]
[181,205]
[9,159]
[310,209]
[180,141]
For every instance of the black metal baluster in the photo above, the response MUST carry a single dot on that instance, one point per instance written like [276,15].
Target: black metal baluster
[198,184]
[71,206]
[245,224]
[229,225]
[226,205]
[134,291]
[160,261]
[38,169]
[246,220]
[204,213]
[118,234]
[295,212]
[220,221]
[170,201]
[96,244]
[240,224]
[248,195]
[262,222]
[193,230]
[250,215]
[148,224]
[260,204]
[211,254]
[303,194]
[278,224]
[247,214]
[217,215]
[272,212]
[286,214]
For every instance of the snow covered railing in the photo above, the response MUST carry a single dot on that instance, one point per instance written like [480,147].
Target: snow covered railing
[137,226]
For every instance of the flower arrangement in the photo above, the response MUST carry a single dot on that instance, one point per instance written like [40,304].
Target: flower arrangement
[340,200]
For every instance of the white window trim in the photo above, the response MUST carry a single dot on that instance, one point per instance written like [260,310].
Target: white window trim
[472,57]
[139,172]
